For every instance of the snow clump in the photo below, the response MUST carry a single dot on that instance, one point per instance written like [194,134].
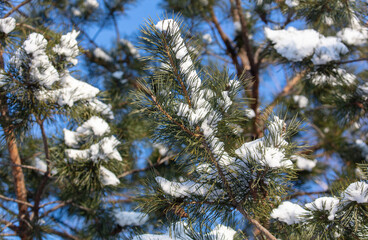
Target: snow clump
[91,4]
[329,204]
[132,50]
[179,231]
[289,213]
[108,177]
[99,53]
[304,163]
[33,54]
[296,45]
[7,25]
[68,47]
[125,218]
[301,100]
[292,3]
[356,192]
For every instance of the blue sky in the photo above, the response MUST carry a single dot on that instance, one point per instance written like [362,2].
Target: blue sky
[129,23]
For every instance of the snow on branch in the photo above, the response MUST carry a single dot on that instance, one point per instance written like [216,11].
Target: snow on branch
[291,213]
[71,91]
[296,45]
[7,25]
[179,230]
[125,218]
[205,117]
[68,47]
[187,189]
[32,55]
[103,150]
[267,151]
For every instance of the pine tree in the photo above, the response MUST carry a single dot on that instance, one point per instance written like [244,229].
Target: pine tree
[68,149]
[261,105]
[244,171]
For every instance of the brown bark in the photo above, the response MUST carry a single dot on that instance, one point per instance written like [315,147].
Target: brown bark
[18,176]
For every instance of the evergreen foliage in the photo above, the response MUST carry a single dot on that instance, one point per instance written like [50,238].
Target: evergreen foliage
[228,120]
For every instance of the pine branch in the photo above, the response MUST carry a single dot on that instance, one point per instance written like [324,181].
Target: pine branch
[311,149]
[116,201]
[61,205]
[60,222]
[5,208]
[111,13]
[19,11]
[217,56]
[245,37]
[16,200]
[84,33]
[16,8]
[8,225]
[116,28]
[237,205]
[287,89]
[108,66]
[46,176]
[29,27]
[241,53]
[352,61]
[298,194]
[160,108]
[176,73]
[228,43]
[7,234]
[25,166]
[158,163]
[49,203]
[64,234]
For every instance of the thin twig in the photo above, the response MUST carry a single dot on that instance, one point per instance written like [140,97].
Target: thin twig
[23,166]
[7,234]
[46,176]
[49,203]
[177,74]
[289,86]
[354,60]
[7,209]
[16,8]
[158,105]
[64,234]
[61,205]
[29,27]
[146,168]
[16,200]
[228,43]
[116,29]
[8,225]
[116,201]
[298,194]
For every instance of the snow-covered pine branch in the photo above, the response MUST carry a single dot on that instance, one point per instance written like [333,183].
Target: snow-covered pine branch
[224,171]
